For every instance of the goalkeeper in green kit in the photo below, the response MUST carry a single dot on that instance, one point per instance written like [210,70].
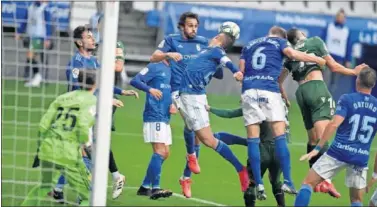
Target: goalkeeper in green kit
[64,129]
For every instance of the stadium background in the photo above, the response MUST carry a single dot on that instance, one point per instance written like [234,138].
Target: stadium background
[142,25]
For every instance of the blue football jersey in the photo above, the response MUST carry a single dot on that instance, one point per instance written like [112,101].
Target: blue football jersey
[200,71]
[79,62]
[355,135]
[263,63]
[188,48]
[157,75]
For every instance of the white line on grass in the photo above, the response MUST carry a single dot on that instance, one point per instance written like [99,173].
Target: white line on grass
[202,201]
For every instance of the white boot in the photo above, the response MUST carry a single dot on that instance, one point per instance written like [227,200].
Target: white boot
[35,82]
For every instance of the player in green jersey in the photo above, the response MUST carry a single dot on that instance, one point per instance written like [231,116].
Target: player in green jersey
[314,99]
[64,129]
[268,159]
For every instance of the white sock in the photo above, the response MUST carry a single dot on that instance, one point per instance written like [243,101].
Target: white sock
[116,175]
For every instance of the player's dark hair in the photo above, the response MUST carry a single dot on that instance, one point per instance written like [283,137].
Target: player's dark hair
[184,16]
[87,79]
[292,36]
[278,31]
[367,78]
[341,11]
[77,33]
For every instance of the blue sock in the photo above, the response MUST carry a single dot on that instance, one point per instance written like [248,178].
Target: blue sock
[230,139]
[88,163]
[187,171]
[303,197]
[226,153]
[61,182]
[254,158]
[156,163]
[356,204]
[283,155]
[189,139]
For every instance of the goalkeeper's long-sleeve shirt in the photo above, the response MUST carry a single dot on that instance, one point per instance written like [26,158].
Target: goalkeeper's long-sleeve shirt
[265,130]
[65,127]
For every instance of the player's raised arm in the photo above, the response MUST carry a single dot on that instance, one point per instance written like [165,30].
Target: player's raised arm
[242,61]
[338,68]
[142,78]
[301,56]
[164,52]
[225,60]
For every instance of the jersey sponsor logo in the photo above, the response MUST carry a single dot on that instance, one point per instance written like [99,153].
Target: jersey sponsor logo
[198,47]
[144,71]
[180,46]
[75,72]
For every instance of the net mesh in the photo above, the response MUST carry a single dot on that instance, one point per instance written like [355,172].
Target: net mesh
[29,87]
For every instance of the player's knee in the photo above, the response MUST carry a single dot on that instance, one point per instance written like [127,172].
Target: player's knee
[212,143]
[278,128]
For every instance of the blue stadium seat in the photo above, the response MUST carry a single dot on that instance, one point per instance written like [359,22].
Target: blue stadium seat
[153,18]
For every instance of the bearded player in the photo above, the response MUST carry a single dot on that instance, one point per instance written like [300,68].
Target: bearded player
[179,49]
[314,99]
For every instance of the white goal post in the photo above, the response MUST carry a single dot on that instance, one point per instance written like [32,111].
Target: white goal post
[104,107]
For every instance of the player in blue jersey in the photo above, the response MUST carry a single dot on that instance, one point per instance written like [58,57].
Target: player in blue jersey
[179,49]
[192,100]
[355,123]
[155,81]
[84,59]
[262,63]
[373,199]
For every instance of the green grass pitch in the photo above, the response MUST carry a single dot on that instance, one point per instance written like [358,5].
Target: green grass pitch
[216,184]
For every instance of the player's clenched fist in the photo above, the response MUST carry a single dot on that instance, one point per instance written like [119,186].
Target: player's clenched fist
[174,55]
[155,93]
[238,76]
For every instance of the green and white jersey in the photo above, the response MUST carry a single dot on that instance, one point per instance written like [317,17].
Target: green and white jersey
[65,127]
[313,46]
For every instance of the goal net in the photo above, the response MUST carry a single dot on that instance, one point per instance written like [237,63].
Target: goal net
[33,74]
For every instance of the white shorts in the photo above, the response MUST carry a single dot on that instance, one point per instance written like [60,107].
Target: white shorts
[373,199]
[157,132]
[261,105]
[192,108]
[327,167]
[175,99]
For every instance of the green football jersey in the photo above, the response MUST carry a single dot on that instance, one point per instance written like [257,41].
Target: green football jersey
[65,126]
[313,46]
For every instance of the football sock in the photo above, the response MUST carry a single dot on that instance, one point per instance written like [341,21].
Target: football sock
[226,153]
[283,155]
[88,163]
[304,195]
[187,171]
[115,175]
[189,139]
[356,204]
[230,139]
[156,163]
[146,182]
[279,197]
[112,165]
[254,158]
[61,182]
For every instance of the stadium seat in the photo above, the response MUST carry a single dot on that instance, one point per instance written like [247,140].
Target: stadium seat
[318,7]
[336,5]
[153,18]
[364,8]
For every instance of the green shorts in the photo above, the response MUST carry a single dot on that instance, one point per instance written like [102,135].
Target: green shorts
[269,162]
[315,102]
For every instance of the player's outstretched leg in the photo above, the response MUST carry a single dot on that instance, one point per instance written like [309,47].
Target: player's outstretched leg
[206,137]
[57,193]
[230,139]
[305,193]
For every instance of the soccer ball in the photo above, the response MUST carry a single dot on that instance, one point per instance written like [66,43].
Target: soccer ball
[231,29]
